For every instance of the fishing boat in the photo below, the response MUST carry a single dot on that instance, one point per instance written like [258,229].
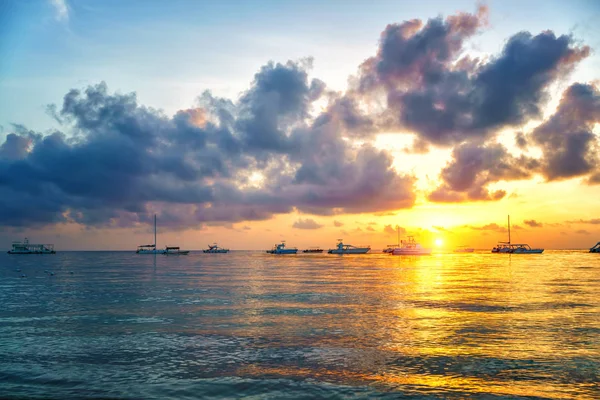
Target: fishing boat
[25,247]
[514,248]
[342,248]
[410,247]
[596,248]
[215,249]
[464,249]
[176,251]
[281,249]
[313,250]
[523,248]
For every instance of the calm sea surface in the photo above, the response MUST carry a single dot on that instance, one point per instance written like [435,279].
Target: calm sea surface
[248,324]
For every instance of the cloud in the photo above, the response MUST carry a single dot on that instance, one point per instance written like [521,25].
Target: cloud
[474,166]
[61,9]
[533,223]
[370,228]
[117,162]
[338,224]
[306,224]
[489,227]
[570,147]
[446,98]
[389,230]
[440,228]
[583,232]
[593,221]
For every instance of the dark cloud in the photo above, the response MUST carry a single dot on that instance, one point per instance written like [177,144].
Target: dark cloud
[570,148]
[447,99]
[474,166]
[593,221]
[533,223]
[489,227]
[121,162]
[370,228]
[306,224]
[583,232]
[338,224]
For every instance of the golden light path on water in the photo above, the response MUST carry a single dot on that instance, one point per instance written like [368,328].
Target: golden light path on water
[445,325]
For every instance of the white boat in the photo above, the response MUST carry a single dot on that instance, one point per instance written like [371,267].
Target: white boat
[514,248]
[464,249]
[176,251]
[596,248]
[348,249]
[281,249]
[523,248]
[25,247]
[215,249]
[410,247]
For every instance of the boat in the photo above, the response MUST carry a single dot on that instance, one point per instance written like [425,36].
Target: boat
[523,248]
[390,247]
[281,249]
[215,249]
[464,249]
[313,250]
[151,248]
[348,249]
[25,247]
[175,251]
[514,248]
[596,248]
[410,247]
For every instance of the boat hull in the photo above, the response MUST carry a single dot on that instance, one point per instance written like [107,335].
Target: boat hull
[532,251]
[312,251]
[215,251]
[31,252]
[177,253]
[357,250]
[284,251]
[150,252]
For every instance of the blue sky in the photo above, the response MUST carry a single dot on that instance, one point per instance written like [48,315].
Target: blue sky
[170,52]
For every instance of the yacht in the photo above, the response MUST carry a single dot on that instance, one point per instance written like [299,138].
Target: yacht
[514,248]
[523,248]
[596,248]
[410,247]
[25,247]
[215,249]
[348,249]
[281,249]
[464,249]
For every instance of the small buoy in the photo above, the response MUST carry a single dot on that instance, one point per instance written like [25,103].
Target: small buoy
[71,272]
[46,271]
[18,269]
[23,275]
[51,273]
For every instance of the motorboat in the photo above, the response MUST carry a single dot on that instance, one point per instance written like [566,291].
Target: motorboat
[410,247]
[342,248]
[523,248]
[514,248]
[281,249]
[25,247]
[215,249]
[596,248]
[313,250]
[463,249]
[176,251]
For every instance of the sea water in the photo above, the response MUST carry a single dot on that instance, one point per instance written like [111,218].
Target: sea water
[249,324]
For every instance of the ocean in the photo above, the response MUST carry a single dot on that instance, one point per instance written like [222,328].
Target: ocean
[116,325]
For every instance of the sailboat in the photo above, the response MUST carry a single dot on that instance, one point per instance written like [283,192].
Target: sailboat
[151,248]
[515,248]
[390,247]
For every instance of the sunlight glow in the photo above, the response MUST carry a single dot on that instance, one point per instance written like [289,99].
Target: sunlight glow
[439,242]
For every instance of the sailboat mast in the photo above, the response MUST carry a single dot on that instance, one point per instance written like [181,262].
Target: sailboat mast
[509,229]
[154,231]
[398,232]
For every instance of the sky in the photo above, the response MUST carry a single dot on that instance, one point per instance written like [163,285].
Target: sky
[247,123]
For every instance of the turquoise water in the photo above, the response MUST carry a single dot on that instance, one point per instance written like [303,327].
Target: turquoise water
[244,324]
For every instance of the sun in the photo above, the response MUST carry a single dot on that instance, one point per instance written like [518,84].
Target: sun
[439,242]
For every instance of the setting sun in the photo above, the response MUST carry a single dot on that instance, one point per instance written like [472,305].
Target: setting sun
[439,242]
